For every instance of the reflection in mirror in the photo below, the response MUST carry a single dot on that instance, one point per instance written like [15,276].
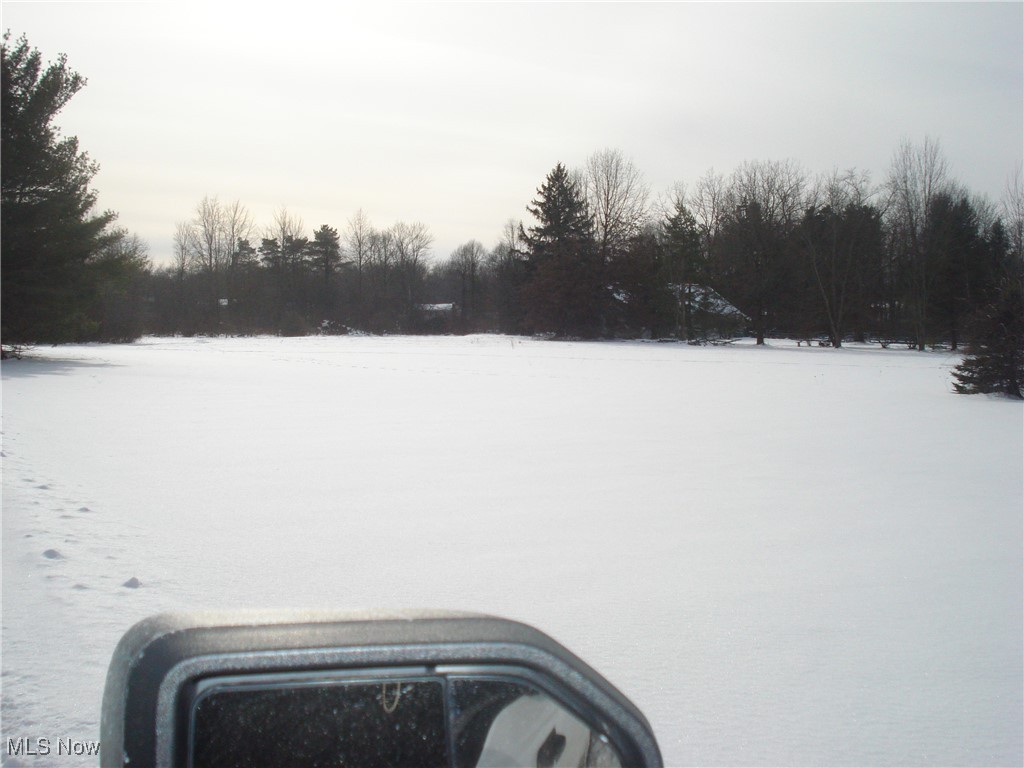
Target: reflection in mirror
[503,723]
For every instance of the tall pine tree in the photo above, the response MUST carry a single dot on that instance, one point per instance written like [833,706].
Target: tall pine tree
[682,267]
[565,292]
[49,233]
[325,258]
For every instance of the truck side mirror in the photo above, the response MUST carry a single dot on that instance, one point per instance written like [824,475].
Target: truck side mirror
[461,690]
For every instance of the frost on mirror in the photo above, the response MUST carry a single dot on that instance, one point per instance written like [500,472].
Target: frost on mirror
[397,723]
[462,720]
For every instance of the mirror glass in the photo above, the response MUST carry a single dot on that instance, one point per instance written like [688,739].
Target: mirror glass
[466,721]
[502,722]
[330,724]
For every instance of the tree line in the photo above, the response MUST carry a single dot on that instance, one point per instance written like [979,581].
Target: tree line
[229,277]
[830,257]
[766,250]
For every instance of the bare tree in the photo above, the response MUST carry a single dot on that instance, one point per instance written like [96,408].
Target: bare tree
[381,250]
[357,240]
[764,201]
[512,243]
[617,195]
[507,266]
[184,248]
[411,243]
[1013,212]
[209,243]
[378,300]
[210,254]
[238,225]
[466,263]
[708,203]
[357,249]
[285,228]
[917,176]
[776,186]
[668,201]
[210,240]
[211,250]
[841,237]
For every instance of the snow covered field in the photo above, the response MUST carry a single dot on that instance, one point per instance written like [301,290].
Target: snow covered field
[783,556]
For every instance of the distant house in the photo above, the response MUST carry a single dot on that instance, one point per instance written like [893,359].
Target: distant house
[708,313]
[436,309]
[683,311]
[437,318]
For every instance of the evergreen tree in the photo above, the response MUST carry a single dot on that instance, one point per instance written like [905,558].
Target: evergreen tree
[244,255]
[563,218]
[49,233]
[565,291]
[121,267]
[325,258]
[995,360]
[641,299]
[956,248]
[681,266]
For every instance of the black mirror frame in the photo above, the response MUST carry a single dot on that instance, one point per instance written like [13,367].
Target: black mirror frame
[143,722]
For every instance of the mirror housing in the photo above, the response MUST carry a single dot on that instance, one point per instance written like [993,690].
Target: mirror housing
[380,689]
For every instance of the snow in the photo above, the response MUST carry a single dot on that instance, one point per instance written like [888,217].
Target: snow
[782,555]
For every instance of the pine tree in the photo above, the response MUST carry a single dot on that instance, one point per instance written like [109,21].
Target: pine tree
[325,257]
[995,360]
[565,292]
[681,266]
[563,219]
[48,233]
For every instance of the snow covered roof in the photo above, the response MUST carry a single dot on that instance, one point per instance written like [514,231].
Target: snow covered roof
[707,299]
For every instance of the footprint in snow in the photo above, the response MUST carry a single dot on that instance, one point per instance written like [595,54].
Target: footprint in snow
[43,487]
[132,583]
[53,554]
[84,509]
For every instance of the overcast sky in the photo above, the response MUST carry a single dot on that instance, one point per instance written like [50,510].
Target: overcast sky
[453,113]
